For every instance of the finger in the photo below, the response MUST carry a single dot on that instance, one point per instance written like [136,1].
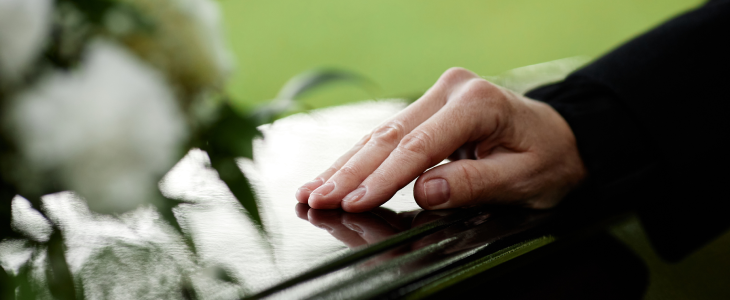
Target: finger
[364,162]
[501,178]
[431,142]
[382,142]
[305,190]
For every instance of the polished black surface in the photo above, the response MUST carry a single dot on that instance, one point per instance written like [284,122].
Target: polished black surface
[597,267]
[394,251]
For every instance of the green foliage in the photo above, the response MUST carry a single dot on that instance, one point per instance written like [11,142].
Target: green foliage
[93,10]
[231,135]
[305,83]
[97,11]
[7,192]
[238,184]
[7,288]
[26,290]
[58,276]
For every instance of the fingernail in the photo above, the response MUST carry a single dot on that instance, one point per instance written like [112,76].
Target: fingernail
[302,194]
[354,228]
[355,195]
[437,192]
[325,189]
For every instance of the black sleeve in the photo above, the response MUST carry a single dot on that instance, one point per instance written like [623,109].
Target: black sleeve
[651,122]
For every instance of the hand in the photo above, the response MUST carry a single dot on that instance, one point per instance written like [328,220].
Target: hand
[504,149]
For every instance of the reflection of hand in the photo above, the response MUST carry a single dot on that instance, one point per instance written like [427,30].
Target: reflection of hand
[365,228]
[484,229]
[354,230]
[513,150]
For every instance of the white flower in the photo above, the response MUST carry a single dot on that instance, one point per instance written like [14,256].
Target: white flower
[24,29]
[187,42]
[110,128]
[206,14]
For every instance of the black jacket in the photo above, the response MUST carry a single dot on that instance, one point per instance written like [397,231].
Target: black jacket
[651,119]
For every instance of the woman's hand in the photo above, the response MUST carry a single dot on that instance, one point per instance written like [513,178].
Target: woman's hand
[505,149]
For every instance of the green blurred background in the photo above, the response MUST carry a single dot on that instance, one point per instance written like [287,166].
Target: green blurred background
[404,45]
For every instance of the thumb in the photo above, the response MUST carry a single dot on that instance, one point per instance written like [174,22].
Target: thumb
[494,180]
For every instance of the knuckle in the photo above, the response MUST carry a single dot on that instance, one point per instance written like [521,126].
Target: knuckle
[417,142]
[388,134]
[480,89]
[484,96]
[364,140]
[349,171]
[456,74]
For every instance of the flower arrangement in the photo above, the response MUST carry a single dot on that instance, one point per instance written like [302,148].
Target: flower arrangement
[103,97]
[100,97]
